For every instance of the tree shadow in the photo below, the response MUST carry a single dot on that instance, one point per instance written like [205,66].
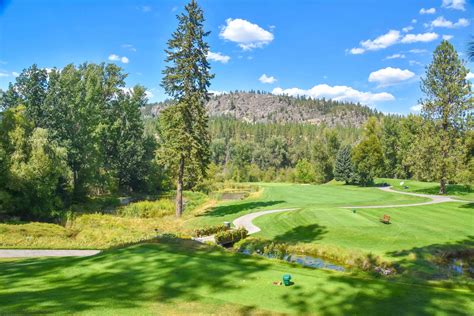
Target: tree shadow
[427,263]
[181,272]
[452,189]
[467,205]
[123,278]
[224,210]
[299,234]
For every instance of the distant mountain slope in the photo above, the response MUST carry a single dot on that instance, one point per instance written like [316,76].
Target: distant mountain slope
[263,107]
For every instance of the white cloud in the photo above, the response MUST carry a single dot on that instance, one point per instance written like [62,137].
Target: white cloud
[470,76]
[246,34]
[338,93]
[218,57]
[454,4]
[392,37]
[407,29]
[428,11]
[114,57]
[130,47]
[8,74]
[414,21]
[357,51]
[416,108]
[395,56]
[442,22]
[415,63]
[447,37]
[424,37]
[267,79]
[389,76]
[418,51]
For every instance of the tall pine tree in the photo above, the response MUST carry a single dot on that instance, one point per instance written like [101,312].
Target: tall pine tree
[186,79]
[448,104]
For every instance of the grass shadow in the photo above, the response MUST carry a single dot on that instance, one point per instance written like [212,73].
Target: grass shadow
[224,210]
[307,233]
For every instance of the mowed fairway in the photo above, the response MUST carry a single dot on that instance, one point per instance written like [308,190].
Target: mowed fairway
[184,278]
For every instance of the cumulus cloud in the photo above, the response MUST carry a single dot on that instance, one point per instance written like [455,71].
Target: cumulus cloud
[424,37]
[15,74]
[407,29]
[470,76]
[267,79]
[416,108]
[389,76]
[218,57]
[396,56]
[392,37]
[428,11]
[454,4]
[114,57]
[4,74]
[246,34]
[447,37]
[442,22]
[337,93]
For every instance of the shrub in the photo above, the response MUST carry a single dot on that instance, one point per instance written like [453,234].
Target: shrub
[230,236]
[206,231]
[148,209]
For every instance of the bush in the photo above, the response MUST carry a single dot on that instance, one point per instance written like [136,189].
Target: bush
[206,231]
[230,236]
[148,209]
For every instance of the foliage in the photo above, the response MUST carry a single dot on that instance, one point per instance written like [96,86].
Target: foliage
[448,105]
[148,209]
[344,168]
[304,172]
[367,155]
[230,236]
[187,78]
[207,231]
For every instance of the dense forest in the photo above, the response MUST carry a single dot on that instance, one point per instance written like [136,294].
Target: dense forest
[70,134]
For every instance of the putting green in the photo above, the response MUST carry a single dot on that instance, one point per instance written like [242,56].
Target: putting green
[183,278]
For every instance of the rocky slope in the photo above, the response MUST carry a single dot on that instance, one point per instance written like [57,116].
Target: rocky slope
[259,107]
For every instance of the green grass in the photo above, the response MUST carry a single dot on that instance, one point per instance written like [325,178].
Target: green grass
[460,191]
[182,278]
[282,195]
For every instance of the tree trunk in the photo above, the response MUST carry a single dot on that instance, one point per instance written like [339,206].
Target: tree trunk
[179,189]
[442,186]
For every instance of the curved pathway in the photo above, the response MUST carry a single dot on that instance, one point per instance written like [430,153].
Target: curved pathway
[435,199]
[33,253]
[246,220]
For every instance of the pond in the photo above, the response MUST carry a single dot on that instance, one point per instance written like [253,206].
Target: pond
[305,261]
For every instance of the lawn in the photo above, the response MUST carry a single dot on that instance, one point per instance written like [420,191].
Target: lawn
[179,277]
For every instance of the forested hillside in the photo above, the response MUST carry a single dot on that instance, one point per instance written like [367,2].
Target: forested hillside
[262,107]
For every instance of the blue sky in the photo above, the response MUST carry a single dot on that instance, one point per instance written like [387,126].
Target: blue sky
[368,51]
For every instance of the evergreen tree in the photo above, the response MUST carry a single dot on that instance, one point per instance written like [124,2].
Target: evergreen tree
[344,168]
[448,104]
[368,155]
[187,79]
